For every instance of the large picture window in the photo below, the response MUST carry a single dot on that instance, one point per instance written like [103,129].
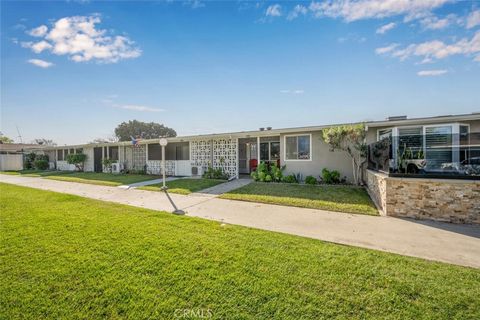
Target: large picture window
[298,147]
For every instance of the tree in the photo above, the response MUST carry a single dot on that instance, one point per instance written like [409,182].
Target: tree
[5,139]
[351,139]
[44,142]
[77,159]
[138,129]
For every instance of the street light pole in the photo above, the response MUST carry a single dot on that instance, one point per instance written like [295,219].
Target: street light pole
[163,143]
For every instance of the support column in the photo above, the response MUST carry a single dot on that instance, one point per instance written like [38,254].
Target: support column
[258,150]
[238,160]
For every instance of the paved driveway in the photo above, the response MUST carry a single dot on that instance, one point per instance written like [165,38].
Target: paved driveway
[457,244]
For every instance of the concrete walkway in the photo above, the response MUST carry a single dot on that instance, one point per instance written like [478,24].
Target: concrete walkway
[147,183]
[222,188]
[457,244]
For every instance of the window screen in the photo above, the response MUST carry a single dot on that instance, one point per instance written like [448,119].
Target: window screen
[113,153]
[297,147]
[154,151]
[274,150]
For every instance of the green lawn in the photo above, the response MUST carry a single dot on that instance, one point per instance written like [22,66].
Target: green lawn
[98,178]
[35,173]
[63,256]
[104,179]
[185,186]
[334,198]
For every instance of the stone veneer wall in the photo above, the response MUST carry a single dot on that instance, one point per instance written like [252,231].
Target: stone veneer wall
[448,200]
[377,189]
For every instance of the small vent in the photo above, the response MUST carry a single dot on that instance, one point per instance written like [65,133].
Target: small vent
[262,129]
[395,118]
[269,128]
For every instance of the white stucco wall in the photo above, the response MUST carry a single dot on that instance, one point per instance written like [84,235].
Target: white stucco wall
[321,157]
[89,162]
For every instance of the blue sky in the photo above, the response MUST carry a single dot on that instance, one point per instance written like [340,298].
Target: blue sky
[71,71]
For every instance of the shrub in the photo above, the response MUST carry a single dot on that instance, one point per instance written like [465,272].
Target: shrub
[41,164]
[291,178]
[276,173]
[29,160]
[77,159]
[267,173]
[217,173]
[261,176]
[107,163]
[330,177]
[41,157]
[310,180]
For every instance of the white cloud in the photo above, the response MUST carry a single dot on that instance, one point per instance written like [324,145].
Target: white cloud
[78,38]
[297,11]
[296,91]
[386,49]
[274,10]
[138,108]
[436,49]
[194,4]
[431,73]
[387,27]
[19,26]
[434,23]
[39,31]
[473,19]
[41,63]
[40,46]
[365,9]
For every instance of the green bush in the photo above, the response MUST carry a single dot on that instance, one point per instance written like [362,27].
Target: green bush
[217,173]
[291,178]
[77,159]
[41,164]
[29,160]
[310,180]
[276,173]
[41,157]
[267,173]
[330,177]
[261,176]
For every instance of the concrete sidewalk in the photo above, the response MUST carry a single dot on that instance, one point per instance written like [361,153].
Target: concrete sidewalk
[222,188]
[146,183]
[457,244]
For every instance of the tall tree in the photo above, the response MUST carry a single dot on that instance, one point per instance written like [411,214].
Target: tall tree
[351,139]
[138,129]
[44,142]
[5,139]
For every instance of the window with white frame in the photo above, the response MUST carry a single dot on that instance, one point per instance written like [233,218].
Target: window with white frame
[298,147]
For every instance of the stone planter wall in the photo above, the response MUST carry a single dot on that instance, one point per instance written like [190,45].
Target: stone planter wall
[448,200]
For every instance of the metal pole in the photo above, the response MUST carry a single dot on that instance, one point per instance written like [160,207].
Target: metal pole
[163,166]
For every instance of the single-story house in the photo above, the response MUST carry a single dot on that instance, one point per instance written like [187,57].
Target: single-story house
[11,155]
[426,168]
[301,150]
